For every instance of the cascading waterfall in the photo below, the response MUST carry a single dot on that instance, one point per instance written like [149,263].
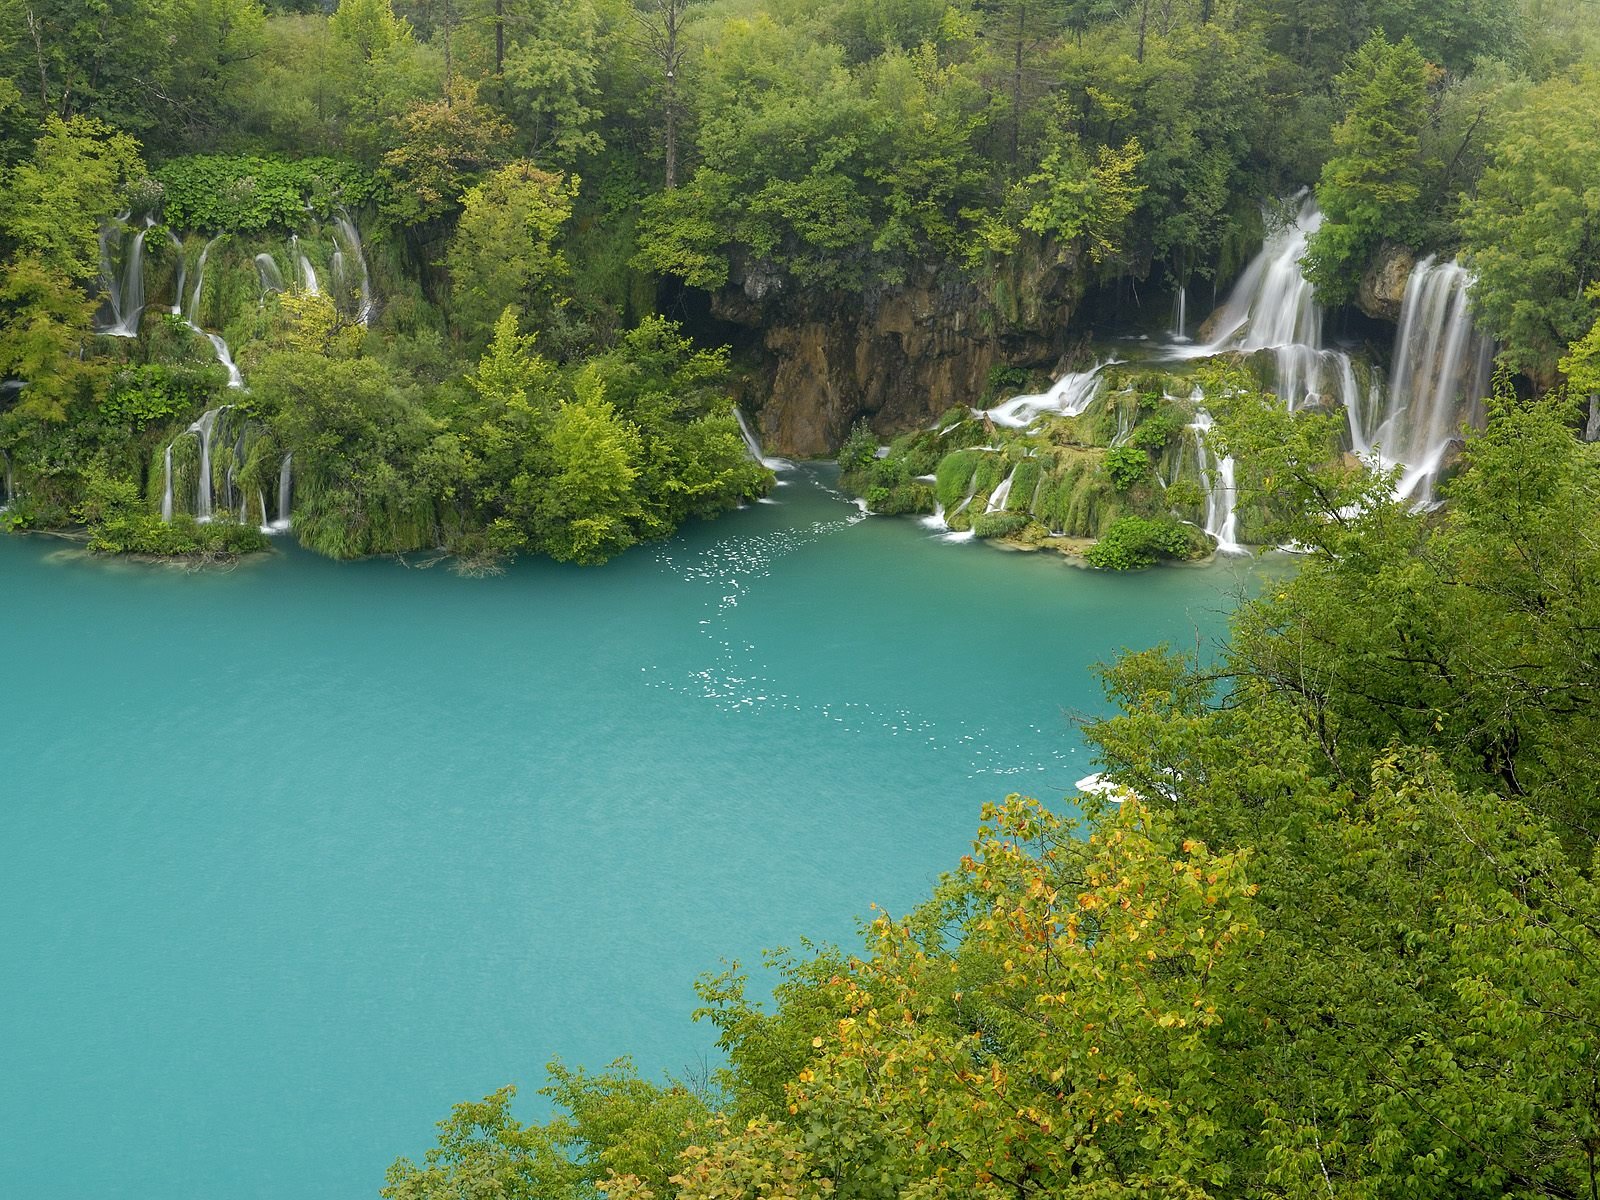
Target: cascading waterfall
[224,439]
[308,273]
[1180,315]
[346,229]
[192,310]
[284,481]
[202,430]
[125,289]
[1222,522]
[754,446]
[183,273]
[166,491]
[1001,494]
[192,318]
[1067,397]
[1273,309]
[267,274]
[1440,378]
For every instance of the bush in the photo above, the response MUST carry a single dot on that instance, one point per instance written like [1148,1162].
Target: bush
[245,193]
[1126,466]
[1159,428]
[183,537]
[860,447]
[1134,542]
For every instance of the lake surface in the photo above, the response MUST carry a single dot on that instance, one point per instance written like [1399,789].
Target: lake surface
[295,856]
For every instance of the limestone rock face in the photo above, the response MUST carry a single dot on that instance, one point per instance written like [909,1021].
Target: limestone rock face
[898,355]
[1383,283]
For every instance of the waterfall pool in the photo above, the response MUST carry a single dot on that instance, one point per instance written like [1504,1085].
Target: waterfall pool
[300,854]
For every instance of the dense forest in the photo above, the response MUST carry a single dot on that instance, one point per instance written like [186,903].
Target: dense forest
[486,275]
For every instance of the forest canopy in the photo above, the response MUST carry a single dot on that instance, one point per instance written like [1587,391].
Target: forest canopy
[368,186]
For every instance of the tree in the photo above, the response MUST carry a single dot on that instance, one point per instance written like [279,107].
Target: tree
[439,148]
[368,29]
[658,32]
[1368,186]
[505,250]
[586,507]
[1529,232]
[53,206]
[55,202]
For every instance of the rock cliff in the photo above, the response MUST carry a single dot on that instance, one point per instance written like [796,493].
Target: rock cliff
[898,355]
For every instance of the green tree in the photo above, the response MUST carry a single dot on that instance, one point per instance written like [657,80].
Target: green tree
[439,148]
[586,508]
[368,29]
[1374,176]
[1529,230]
[505,250]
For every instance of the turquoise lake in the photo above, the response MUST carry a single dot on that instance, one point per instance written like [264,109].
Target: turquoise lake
[299,854]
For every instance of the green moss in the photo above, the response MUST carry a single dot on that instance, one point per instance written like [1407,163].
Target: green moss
[954,476]
[998,524]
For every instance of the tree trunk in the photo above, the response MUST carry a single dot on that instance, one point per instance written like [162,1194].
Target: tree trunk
[1144,19]
[672,131]
[499,39]
[1016,87]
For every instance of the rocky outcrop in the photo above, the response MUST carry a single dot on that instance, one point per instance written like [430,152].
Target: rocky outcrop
[897,355]
[1383,283]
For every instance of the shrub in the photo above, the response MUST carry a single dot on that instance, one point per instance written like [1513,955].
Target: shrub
[860,447]
[1126,466]
[1134,542]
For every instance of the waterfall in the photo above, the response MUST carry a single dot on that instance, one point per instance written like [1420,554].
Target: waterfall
[192,312]
[997,500]
[124,290]
[1591,431]
[183,265]
[1180,315]
[282,522]
[1222,522]
[346,228]
[1272,303]
[1067,397]
[224,356]
[1439,381]
[754,447]
[192,317]
[936,521]
[202,430]
[308,273]
[166,491]
[261,500]
[267,273]
[1272,308]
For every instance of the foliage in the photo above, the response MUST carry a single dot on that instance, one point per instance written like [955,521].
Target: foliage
[143,395]
[1529,230]
[55,202]
[505,248]
[860,447]
[246,193]
[118,524]
[1126,466]
[1369,185]
[1080,199]
[440,147]
[998,524]
[1134,542]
